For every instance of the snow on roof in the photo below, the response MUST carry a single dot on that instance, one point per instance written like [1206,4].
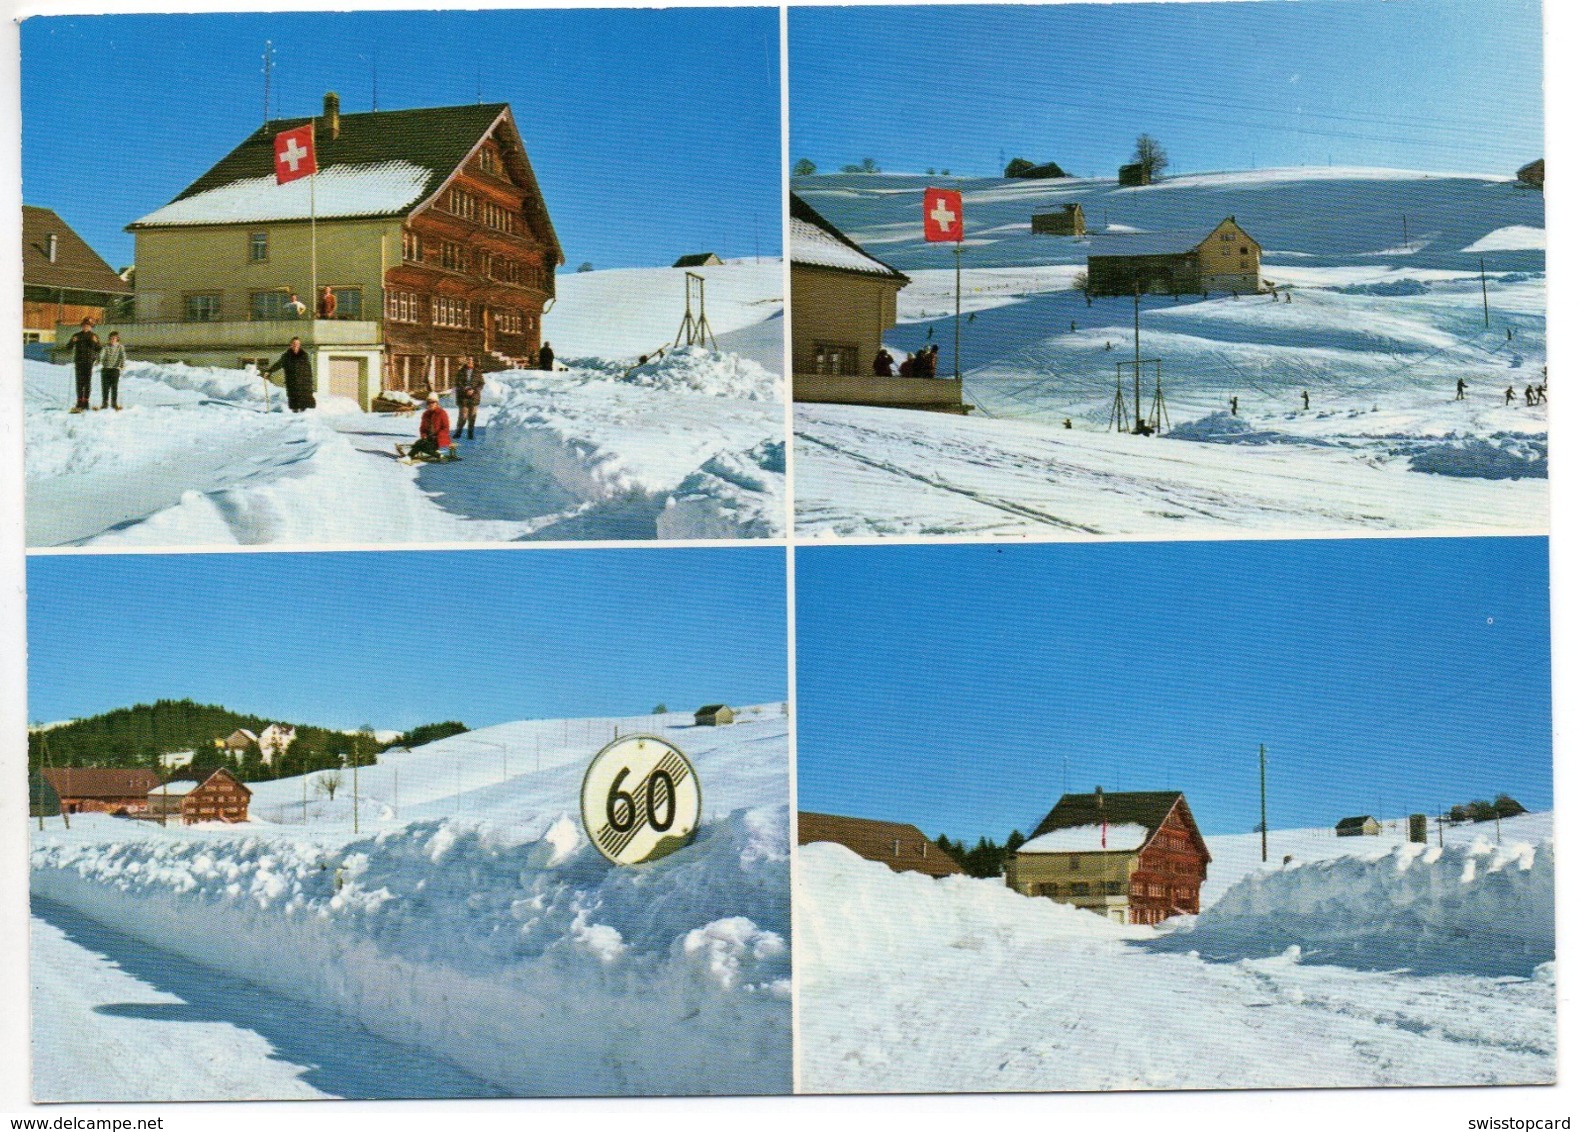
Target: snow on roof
[1177,242]
[1088,839]
[177,789]
[813,247]
[342,191]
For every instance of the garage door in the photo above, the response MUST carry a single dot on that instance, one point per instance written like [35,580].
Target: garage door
[345,377]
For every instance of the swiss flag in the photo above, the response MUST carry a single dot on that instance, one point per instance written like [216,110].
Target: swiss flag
[293,154]
[941,216]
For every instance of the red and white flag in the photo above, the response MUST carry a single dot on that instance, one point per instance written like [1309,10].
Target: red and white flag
[293,154]
[942,219]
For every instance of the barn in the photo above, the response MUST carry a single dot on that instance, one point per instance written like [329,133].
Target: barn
[219,797]
[714,715]
[1135,175]
[904,848]
[239,743]
[1363,825]
[101,789]
[1133,857]
[698,259]
[1223,258]
[432,237]
[1068,221]
[63,280]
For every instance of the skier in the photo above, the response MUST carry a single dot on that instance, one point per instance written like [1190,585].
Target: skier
[469,392]
[1542,391]
[84,351]
[1509,334]
[971,317]
[1509,395]
[433,440]
[1460,389]
[1531,397]
[1306,400]
[297,365]
[112,360]
[546,356]
[1073,326]
[1235,406]
[883,363]
[296,306]
[327,304]
[1108,345]
[929,335]
[1067,423]
[1287,297]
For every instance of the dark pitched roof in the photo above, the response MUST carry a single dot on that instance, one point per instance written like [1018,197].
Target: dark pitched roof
[800,210]
[700,259]
[436,139]
[1178,242]
[101,781]
[1146,808]
[1353,823]
[221,770]
[876,840]
[77,267]
[710,709]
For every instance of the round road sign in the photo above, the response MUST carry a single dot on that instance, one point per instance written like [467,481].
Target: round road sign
[640,799]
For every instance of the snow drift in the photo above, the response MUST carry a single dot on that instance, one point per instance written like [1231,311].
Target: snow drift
[533,964]
[1473,908]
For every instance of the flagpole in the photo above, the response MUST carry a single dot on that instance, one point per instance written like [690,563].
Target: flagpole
[958,306]
[312,205]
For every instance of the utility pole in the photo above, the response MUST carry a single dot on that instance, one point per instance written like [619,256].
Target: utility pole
[1136,338]
[356,798]
[1262,774]
[1483,265]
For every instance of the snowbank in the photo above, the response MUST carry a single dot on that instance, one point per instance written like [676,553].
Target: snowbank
[534,965]
[733,495]
[1471,908]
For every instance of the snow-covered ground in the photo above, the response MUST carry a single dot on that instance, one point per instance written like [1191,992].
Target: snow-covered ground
[690,445]
[466,940]
[1380,326]
[1360,962]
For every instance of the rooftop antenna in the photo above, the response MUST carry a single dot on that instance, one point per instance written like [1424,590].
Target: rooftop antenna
[375,63]
[268,68]
[480,84]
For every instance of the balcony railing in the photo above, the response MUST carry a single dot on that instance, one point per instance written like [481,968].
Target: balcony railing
[153,334]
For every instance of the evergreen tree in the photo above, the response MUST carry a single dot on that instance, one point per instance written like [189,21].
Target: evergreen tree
[803,168]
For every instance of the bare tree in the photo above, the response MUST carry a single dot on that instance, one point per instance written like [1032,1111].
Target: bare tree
[326,782]
[1150,156]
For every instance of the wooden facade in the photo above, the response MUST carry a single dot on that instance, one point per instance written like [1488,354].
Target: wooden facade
[1223,259]
[714,715]
[903,847]
[102,790]
[1364,825]
[63,279]
[1068,221]
[219,797]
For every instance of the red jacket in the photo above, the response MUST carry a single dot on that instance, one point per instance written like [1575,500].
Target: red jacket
[436,424]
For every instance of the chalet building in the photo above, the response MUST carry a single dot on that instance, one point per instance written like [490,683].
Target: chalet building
[842,303]
[1134,858]
[701,259]
[63,280]
[432,236]
[1196,262]
[1135,175]
[219,797]
[904,848]
[714,715]
[1531,174]
[1068,221]
[239,743]
[1048,169]
[1364,825]
[101,789]
[274,741]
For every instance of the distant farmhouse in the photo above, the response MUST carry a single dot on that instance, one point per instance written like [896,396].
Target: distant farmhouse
[701,259]
[904,848]
[842,302]
[102,790]
[1134,858]
[1195,262]
[714,715]
[1068,221]
[1135,175]
[274,741]
[432,236]
[239,743]
[1038,172]
[63,280]
[219,797]
[1364,825]
[1531,174]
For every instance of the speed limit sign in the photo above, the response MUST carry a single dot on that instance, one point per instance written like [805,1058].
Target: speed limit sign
[640,800]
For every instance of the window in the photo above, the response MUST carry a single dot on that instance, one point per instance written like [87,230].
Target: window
[833,359]
[203,307]
[509,322]
[1246,251]
[452,256]
[459,202]
[451,312]
[269,306]
[348,301]
[489,160]
[401,306]
[258,247]
[1078,888]
[411,246]
[1075,862]
[1114,888]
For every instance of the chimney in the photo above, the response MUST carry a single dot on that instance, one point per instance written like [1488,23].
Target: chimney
[332,114]
[51,246]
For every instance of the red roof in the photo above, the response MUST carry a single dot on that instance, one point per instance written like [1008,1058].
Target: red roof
[101,781]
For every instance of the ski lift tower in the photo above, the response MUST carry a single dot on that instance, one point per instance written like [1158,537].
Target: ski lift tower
[1157,418]
[694,328]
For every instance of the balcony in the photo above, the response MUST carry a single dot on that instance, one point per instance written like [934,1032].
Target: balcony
[934,394]
[261,335]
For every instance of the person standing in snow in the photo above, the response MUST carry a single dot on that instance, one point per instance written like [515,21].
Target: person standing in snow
[883,363]
[297,366]
[1531,397]
[296,306]
[433,431]
[1509,395]
[111,362]
[327,304]
[1235,406]
[469,394]
[546,356]
[1460,389]
[1306,399]
[85,349]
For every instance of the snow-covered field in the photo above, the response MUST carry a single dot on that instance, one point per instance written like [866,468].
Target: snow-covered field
[1380,326]
[690,445]
[466,941]
[1361,961]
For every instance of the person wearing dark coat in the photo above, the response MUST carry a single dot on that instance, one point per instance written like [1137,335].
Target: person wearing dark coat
[85,349]
[469,393]
[883,363]
[1460,389]
[546,356]
[297,365]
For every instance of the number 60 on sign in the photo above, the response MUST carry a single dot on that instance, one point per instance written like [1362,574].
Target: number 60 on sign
[640,800]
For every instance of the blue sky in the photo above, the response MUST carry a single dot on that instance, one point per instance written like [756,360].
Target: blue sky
[1444,85]
[396,639]
[949,686]
[653,133]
